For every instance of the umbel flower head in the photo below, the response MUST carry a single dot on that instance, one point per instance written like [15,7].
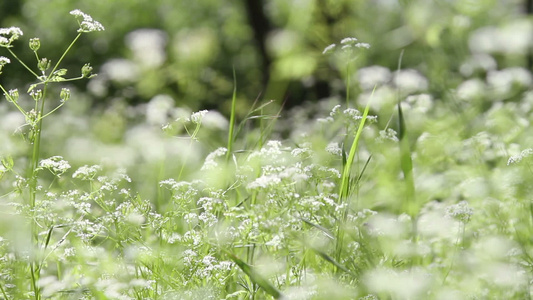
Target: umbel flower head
[347,44]
[3,61]
[87,24]
[9,35]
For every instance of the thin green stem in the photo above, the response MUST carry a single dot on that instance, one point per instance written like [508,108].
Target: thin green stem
[3,292]
[63,56]
[52,111]
[348,78]
[22,63]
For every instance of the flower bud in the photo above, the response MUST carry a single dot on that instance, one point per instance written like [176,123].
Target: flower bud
[86,70]
[13,96]
[65,94]
[36,95]
[35,44]
[44,64]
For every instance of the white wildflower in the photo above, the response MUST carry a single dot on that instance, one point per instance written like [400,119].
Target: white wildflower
[374,75]
[264,182]
[4,60]
[88,24]
[329,48]
[325,120]
[352,113]
[190,218]
[460,211]
[335,110]
[334,148]
[348,40]
[301,152]
[389,134]
[55,164]
[410,81]
[87,172]
[210,162]
[517,158]
[362,45]
[198,116]
[8,35]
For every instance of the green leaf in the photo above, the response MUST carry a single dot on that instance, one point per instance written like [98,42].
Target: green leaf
[406,164]
[255,277]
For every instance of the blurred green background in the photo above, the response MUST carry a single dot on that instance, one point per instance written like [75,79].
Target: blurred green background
[188,49]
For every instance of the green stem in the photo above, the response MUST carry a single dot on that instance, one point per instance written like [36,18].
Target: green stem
[63,56]
[3,292]
[52,111]
[22,63]
[348,77]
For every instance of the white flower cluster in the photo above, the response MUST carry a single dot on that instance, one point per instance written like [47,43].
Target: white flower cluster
[55,164]
[88,24]
[197,117]
[86,172]
[210,161]
[517,158]
[347,44]
[3,60]
[460,211]
[9,35]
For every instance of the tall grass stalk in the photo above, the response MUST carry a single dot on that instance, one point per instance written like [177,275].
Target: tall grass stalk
[231,132]
[345,181]
[406,163]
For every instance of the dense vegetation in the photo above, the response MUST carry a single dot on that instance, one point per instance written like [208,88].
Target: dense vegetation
[406,175]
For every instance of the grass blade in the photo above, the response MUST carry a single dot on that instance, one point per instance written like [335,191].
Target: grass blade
[255,277]
[406,164]
[332,261]
[345,178]
[232,119]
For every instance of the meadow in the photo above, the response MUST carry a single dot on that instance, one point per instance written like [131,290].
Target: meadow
[400,188]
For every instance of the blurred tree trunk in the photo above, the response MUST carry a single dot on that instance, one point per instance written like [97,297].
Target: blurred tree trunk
[261,27]
[529,11]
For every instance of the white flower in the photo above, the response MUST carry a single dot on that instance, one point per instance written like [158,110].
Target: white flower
[264,182]
[8,35]
[348,40]
[335,110]
[86,172]
[410,81]
[517,158]
[352,113]
[374,75]
[334,148]
[460,211]
[329,48]
[55,164]
[4,60]
[198,116]
[88,24]
[389,134]
[210,162]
